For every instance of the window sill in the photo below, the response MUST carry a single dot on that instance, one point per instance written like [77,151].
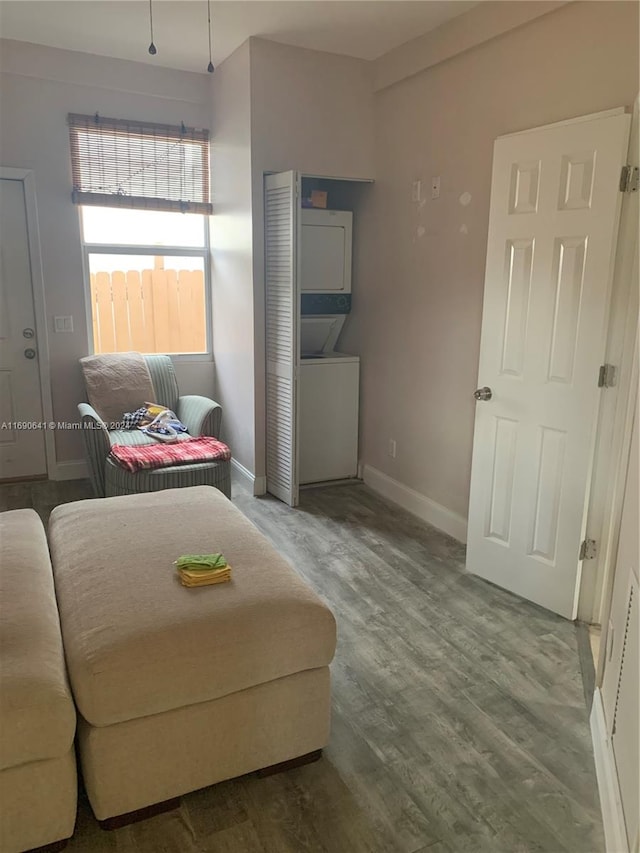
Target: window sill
[182,358]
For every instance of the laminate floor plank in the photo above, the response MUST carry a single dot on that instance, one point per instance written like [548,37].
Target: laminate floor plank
[392,809]
[277,813]
[460,722]
[166,833]
[212,810]
[242,837]
[15,496]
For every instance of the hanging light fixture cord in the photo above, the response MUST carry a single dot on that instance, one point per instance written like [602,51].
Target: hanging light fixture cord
[210,66]
[152,48]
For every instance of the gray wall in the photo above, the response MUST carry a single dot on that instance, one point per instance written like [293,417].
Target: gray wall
[39,86]
[418,329]
[231,244]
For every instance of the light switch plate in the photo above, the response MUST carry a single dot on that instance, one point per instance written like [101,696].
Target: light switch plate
[63,324]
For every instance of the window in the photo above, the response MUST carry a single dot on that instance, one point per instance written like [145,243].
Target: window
[143,189]
[148,280]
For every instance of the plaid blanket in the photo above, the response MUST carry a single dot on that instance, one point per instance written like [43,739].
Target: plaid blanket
[145,456]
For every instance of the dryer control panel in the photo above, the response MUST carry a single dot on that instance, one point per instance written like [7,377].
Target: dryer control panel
[325,303]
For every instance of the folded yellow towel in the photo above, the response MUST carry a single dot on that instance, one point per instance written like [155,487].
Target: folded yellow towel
[197,574]
[204,581]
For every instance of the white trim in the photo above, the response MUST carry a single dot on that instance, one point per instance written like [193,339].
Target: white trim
[27,176]
[258,485]
[419,505]
[605,507]
[616,111]
[246,475]
[11,174]
[75,469]
[203,252]
[617,405]
[610,801]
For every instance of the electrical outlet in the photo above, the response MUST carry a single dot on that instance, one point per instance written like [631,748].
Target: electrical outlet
[435,187]
[392,448]
[416,191]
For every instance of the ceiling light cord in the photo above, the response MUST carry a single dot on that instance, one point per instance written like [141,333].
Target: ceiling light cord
[210,66]
[152,48]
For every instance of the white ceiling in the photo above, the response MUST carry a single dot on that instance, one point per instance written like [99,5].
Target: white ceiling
[120,28]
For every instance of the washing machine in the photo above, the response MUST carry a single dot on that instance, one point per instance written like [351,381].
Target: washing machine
[328,417]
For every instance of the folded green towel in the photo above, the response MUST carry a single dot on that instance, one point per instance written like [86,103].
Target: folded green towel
[201,562]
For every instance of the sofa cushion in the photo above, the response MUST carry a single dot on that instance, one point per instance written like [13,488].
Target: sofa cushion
[139,643]
[37,717]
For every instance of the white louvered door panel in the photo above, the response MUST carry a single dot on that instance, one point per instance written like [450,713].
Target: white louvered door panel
[282,311]
[624,736]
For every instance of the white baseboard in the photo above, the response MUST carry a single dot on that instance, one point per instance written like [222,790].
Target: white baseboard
[424,508]
[610,802]
[76,469]
[258,485]
[246,475]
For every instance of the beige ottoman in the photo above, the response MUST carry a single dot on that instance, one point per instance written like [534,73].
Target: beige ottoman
[38,788]
[180,688]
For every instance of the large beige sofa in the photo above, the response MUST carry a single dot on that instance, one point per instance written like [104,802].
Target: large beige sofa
[180,688]
[38,788]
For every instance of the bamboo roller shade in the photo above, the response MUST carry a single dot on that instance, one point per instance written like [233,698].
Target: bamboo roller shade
[122,163]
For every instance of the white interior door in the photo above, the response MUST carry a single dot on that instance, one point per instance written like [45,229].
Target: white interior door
[555,204]
[22,447]
[282,308]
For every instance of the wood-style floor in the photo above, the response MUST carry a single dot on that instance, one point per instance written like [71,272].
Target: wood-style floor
[459,721]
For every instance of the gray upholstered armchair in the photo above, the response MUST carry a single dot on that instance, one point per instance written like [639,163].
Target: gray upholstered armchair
[200,415]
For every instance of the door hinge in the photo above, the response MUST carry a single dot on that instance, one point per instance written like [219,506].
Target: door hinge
[588,549]
[629,179]
[606,376]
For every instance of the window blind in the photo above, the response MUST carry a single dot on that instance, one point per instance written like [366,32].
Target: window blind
[122,163]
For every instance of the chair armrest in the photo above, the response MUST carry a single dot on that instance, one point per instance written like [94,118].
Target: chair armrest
[200,415]
[96,444]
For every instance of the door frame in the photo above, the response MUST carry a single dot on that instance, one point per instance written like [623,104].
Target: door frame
[28,179]
[615,412]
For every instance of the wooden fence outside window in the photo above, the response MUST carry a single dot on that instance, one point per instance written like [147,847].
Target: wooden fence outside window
[151,310]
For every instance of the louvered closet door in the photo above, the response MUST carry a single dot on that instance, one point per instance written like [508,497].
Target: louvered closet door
[621,682]
[282,333]
[624,735]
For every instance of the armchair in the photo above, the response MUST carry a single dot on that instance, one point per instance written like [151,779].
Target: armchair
[200,415]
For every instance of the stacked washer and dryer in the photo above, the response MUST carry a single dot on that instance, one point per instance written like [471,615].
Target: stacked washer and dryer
[329,380]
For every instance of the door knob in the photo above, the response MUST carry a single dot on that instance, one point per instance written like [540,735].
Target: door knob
[29,353]
[483,393]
